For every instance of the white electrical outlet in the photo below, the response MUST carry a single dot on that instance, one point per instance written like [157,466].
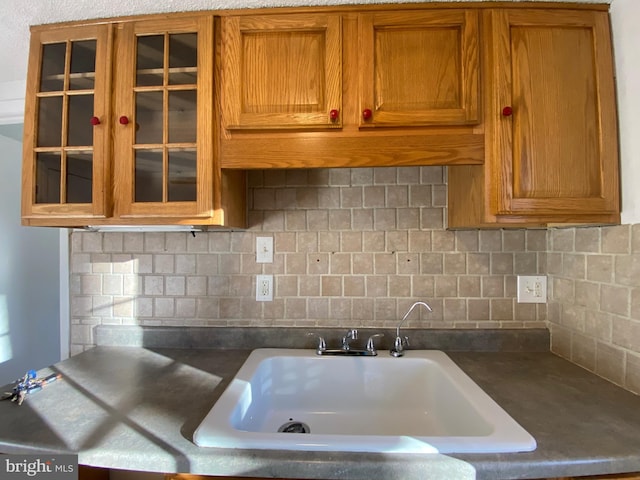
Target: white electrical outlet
[264,288]
[532,289]
[264,249]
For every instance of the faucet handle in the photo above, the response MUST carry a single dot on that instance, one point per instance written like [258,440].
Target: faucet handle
[370,345]
[398,346]
[322,345]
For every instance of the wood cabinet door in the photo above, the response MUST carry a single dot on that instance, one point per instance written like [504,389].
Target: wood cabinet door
[551,120]
[66,148]
[282,71]
[419,68]
[163,120]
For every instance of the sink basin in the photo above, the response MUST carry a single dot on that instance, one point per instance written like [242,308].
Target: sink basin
[420,403]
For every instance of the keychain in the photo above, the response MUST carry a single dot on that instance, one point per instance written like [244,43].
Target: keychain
[27,385]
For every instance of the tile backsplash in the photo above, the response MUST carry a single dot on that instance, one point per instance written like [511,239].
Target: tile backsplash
[594,308]
[353,248]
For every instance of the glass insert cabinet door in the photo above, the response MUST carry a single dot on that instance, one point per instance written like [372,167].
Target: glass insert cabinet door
[67,118]
[163,118]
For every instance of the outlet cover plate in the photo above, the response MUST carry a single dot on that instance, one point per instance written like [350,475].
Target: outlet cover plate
[264,288]
[532,289]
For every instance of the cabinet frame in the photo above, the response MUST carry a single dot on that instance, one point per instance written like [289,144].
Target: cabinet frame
[100,207]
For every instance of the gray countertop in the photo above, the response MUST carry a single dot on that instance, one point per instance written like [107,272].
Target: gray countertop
[137,408]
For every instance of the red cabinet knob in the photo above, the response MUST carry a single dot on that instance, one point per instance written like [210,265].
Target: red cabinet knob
[95,121]
[334,114]
[124,120]
[367,114]
[507,111]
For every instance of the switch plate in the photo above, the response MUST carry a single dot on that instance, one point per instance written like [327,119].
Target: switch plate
[264,249]
[532,289]
[264,288]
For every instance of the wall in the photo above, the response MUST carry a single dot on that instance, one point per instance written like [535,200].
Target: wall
[353,247]
[594,310]
[626,38]
[29,283]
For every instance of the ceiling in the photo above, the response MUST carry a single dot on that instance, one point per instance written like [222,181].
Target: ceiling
[19,14]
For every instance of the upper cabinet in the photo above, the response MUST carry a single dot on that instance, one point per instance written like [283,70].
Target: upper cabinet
[552,151]
[282,71]
[419,68]
[413,68]
[66,133]
[149,160]
[154,120]
[164,118]
[355,88]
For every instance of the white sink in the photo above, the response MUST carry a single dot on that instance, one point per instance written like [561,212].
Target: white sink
[422,402]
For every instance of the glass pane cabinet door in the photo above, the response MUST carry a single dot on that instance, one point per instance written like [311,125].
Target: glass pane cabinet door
[163,140]
[66,125]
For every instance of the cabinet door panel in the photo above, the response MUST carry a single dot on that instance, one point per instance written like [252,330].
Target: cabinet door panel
[52,66]
[165,93]
[558,148]
[182,112]
[48,167]
[82,64]
[419,68]
[79,131]
[554,122]
[66,135]
[49,133]
[282,71]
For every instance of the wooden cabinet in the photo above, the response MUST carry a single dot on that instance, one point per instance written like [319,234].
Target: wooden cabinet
[550,121]
[419,68]
[282,71]
[354,88]
[153,120]
[150,160]
[414,68]
[66,164]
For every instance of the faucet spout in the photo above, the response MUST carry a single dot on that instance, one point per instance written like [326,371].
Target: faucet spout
[399,344]
[351,335]
[424,304]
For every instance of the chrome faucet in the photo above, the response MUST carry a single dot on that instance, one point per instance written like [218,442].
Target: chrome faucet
[351,335]
[345,349]
[400,342]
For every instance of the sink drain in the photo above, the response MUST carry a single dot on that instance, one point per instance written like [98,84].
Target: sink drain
[294,426]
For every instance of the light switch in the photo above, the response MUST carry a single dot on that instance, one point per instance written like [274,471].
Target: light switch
[264,249]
